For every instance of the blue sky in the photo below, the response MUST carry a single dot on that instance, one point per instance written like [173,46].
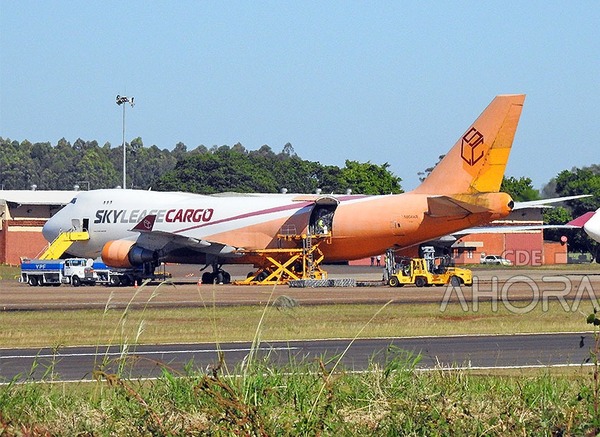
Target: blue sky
[394,82]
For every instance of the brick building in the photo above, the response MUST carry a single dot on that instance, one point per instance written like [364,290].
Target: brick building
[522,247]
[22,215]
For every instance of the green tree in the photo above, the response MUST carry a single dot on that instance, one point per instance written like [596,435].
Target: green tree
[578,181]
[222,168]
[367,178]
[236,169]
[520,189]
[558,216]
[18,168]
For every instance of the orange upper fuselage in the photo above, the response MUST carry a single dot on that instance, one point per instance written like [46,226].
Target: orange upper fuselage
[364,229]
[366,226]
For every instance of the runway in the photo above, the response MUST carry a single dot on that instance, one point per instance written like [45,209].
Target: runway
[78,363]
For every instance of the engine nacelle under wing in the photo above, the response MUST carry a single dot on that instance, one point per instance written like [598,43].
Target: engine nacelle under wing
[126,254]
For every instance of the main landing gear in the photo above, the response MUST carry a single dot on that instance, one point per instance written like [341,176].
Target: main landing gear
[278,266]
[217,276]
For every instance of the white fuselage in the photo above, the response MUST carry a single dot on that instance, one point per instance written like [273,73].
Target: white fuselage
[592,226]
[111,215]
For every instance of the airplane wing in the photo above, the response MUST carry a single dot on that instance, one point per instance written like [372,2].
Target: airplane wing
[544,203]
[512,228]
[154,239]
[447,240]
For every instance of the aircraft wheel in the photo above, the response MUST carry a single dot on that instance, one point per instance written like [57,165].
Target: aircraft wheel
[226,278]
[420,282]
[455,281]
[75,281]
[32,281]
[207,278]
[261,276]
[393,282]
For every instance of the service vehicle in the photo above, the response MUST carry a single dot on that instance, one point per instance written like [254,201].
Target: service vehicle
[426,271]
[495,260]
[77,271]
[74,271]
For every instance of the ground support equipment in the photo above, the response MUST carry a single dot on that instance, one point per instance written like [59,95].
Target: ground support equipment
[279,266]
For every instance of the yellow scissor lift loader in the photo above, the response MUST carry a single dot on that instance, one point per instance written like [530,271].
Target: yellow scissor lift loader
[62,243]
[279,266]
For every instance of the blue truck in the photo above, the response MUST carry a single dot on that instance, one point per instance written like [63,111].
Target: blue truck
[76,272]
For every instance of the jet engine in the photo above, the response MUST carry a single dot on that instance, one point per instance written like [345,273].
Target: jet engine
[126,254]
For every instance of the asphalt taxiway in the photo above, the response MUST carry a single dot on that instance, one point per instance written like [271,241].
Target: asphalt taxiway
[147,361]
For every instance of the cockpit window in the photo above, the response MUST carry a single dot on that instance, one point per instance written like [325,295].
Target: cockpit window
[74,200]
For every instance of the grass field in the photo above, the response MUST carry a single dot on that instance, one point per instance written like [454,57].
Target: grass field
[303,398]
[9,272]
[220,324]
[310,399]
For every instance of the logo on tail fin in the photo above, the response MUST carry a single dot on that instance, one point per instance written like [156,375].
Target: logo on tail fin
[146,224]
[470,143]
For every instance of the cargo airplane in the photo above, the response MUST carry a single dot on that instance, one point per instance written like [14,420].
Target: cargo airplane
[132,227]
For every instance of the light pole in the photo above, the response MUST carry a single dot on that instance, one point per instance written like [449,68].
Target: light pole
[121,100]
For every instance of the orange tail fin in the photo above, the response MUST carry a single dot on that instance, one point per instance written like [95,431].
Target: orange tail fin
[477,161]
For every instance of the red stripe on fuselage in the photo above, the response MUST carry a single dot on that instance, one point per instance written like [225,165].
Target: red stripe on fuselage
[248,214]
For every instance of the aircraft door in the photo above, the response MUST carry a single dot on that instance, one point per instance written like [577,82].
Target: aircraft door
[321,217]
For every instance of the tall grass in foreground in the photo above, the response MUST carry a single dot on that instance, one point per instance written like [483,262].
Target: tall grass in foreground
[393,398]
[319,397]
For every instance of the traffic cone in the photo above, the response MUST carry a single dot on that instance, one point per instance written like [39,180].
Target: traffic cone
[135,284]
[199,282]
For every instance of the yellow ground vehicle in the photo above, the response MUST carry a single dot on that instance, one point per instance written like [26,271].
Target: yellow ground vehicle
[426,271]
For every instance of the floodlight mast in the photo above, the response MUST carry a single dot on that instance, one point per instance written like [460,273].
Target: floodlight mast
[121,100]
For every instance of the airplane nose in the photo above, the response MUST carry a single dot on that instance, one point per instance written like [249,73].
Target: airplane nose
[592,227]
[51,229]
